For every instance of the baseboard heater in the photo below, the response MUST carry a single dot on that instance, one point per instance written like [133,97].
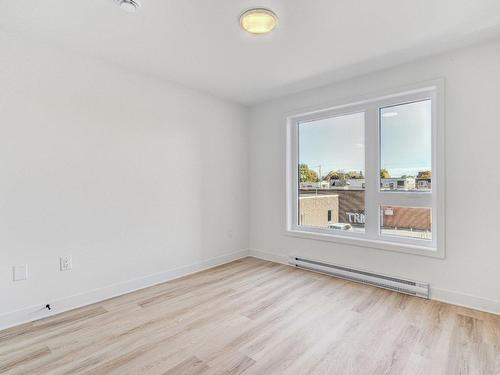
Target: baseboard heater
[414,288]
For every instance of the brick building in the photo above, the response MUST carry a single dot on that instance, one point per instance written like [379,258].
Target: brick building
[406,218]
[348,206]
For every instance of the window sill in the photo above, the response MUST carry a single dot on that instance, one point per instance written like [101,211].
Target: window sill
[398,247]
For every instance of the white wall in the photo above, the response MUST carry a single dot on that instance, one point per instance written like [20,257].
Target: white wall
[470,274]
[136,179]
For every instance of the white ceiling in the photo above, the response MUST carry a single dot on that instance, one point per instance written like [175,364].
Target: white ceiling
[198,43]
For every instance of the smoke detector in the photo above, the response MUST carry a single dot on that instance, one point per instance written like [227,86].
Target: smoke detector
[128,5]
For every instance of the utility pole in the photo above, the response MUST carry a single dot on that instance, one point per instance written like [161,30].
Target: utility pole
[320,177]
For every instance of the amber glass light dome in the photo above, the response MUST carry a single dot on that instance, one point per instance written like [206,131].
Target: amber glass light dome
[258,21]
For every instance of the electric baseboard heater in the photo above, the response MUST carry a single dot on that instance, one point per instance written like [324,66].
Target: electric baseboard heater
[414,288]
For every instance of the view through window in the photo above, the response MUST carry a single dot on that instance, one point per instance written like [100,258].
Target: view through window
[366,172]
[332,173]
[406,166]
[405,146]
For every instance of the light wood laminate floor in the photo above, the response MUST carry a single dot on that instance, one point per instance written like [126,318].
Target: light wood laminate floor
[257,317]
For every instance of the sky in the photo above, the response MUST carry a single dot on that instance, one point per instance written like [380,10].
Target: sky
[338,143]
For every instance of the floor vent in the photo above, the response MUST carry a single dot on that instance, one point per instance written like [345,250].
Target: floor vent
[414,288]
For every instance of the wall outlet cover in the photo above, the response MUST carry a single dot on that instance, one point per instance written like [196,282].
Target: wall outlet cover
[66,263]
[20,273]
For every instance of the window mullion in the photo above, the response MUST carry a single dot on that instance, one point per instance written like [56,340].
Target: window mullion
[371,167]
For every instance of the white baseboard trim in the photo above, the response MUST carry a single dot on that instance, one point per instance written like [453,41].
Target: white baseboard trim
[272,257]
[36,312]
[466,300]
[443,295]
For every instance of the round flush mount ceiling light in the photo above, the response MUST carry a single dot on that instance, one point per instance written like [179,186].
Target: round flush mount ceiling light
[258,21]
[128,5]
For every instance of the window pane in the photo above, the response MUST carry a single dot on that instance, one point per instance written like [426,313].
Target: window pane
[406,146]
[331,173]
[410,222]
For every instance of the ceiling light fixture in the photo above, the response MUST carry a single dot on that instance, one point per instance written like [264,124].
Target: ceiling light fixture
[258,21]
[128,5]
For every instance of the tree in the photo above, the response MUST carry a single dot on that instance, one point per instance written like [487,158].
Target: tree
[424,174]
[333,175]
[343,175]
[306,174]
[355,175]
[384,173]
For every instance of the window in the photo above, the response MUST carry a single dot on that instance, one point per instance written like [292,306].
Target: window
[370,173]
[331,171]
[406,145]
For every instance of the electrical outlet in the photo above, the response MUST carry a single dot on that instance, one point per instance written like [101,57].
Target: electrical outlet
[66,263]
[20,273]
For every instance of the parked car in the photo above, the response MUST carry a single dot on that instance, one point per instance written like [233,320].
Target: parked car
[340,226]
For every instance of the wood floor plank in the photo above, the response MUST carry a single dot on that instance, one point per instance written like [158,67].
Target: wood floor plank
[256,317]
[23,358]
[190,366]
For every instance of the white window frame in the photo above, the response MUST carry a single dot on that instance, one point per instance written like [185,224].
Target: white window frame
[374,196]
